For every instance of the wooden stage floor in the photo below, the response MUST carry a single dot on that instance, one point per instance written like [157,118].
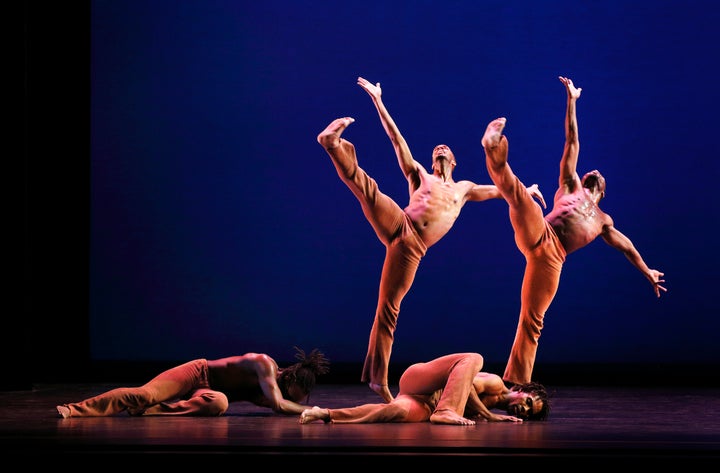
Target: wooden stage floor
[588,426]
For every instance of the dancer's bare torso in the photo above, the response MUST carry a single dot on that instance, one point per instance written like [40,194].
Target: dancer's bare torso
[435,205]
[577,220]
[236,376]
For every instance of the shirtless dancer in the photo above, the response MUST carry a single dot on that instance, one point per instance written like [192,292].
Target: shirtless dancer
[435,203]
[447,390]
[574,221]
[206,387]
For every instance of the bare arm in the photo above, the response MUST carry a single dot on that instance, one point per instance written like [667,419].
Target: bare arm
[569,180]
[617,240]
[408,165]
[475,408]
[479,192]
[267,370]
[487,385]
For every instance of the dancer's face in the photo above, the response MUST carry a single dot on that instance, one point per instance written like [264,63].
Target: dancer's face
[523,405]
[593,180]
[443,152]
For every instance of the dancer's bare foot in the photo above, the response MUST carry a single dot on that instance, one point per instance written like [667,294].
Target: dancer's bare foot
[63,411]
[493,133]
[449,417]
[573,92]
[313,414]
[382,390]
[329,138]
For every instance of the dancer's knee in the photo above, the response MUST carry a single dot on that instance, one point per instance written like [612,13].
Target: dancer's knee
[216,403]
[476,359]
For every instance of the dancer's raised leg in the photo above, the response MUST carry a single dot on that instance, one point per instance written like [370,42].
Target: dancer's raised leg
[495,143]
[329,138]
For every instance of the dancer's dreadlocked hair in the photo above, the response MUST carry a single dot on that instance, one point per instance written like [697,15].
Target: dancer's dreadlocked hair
[539,391]
[304,373]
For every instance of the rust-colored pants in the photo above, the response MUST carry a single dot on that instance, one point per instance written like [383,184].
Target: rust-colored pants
[544,258]
[403,251]
[187,385]
[443,383]
[543,265]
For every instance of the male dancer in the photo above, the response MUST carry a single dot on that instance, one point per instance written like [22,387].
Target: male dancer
[575,221]
[435,203]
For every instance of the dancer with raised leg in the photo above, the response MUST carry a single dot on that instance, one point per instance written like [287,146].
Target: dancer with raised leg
[435,203]
[574,221]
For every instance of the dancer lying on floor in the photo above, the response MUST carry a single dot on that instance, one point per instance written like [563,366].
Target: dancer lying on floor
[206,387]
[447,390]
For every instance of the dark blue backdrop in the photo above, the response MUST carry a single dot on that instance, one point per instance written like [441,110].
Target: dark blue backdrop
[219,225]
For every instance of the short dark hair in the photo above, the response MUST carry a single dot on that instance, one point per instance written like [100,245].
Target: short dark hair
[304,373]
[538,391]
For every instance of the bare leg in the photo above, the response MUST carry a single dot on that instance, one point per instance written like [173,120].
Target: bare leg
[329,138]
[450,417]
[313,414]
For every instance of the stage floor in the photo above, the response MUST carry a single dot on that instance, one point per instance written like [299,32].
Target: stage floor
[608,425]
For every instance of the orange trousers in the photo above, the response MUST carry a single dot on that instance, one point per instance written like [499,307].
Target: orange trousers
[182,390]
[403,251]
[439,384]
[544,259]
